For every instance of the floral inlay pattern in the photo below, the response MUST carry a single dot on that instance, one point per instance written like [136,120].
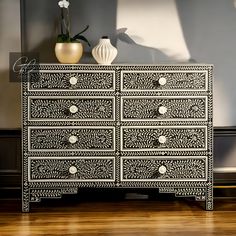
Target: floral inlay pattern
[86,80]
[88,139]
[88,108]
[174,81]
[147,138]
[117,126]
[175,169]
[177,108]
[59,169]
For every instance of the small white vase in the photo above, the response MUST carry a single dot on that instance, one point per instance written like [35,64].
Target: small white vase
[104,53]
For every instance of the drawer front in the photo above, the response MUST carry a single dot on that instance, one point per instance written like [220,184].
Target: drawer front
[71,108]
[156,138]
[72,169]
[164,108]
[163,169]
[164,80]
[73,80]
[71,138]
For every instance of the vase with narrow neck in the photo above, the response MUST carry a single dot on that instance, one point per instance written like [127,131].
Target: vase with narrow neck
[104,52]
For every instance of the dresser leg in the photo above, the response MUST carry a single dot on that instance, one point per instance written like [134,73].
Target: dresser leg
[25,206]
[25,199]
[209,198]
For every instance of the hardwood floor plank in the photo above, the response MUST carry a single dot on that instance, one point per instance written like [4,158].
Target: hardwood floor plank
[127,217]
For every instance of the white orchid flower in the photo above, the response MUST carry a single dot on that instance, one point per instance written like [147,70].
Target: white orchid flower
[63,3]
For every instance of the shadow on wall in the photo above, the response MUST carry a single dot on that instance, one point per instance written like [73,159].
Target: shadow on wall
[181,30]
[154,24]
[41,28]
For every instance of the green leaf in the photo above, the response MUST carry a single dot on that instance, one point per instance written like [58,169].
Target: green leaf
[83,30]
[80,37]
[63,38]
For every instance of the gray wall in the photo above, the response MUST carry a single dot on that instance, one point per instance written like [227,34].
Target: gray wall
[209,27]
[41,24]
[9,42]
[210,31]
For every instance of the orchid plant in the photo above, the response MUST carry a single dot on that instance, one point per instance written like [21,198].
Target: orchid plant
[65,34]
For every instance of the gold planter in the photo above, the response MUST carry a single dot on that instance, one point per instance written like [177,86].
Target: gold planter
[68,53]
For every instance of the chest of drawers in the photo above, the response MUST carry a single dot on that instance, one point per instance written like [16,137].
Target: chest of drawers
[118,126]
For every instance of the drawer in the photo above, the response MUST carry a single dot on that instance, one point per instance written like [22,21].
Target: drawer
[154,138]
[164,80]
[72,80]
[71,138]
[72,108]
[71,169]
[163,169]
[164,108]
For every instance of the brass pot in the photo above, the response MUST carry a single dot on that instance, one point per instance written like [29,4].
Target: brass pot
[68,53]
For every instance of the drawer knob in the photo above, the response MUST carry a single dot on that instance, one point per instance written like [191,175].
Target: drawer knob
[73,109]
[162,81]
[162,169]
[73,170]
[162,139]
[73,80]
[162,110]
[73,139]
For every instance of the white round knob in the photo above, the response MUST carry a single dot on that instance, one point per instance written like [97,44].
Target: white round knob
[73,80]
[73,139]
[162,169]
[162,139]
[73,109]
[73,170]
[162,81]
[162,110]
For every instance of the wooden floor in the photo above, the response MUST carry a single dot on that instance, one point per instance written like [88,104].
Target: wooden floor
[119,217]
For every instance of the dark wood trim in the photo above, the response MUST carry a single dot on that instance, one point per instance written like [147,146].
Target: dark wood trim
[224,178]
[227,179]
[10,179]
[10,133]
[225,131]
[14,192]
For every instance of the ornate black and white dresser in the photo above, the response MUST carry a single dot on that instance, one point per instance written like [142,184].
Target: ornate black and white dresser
[118,126]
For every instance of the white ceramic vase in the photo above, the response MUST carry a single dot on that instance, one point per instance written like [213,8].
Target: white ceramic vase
[104,53]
